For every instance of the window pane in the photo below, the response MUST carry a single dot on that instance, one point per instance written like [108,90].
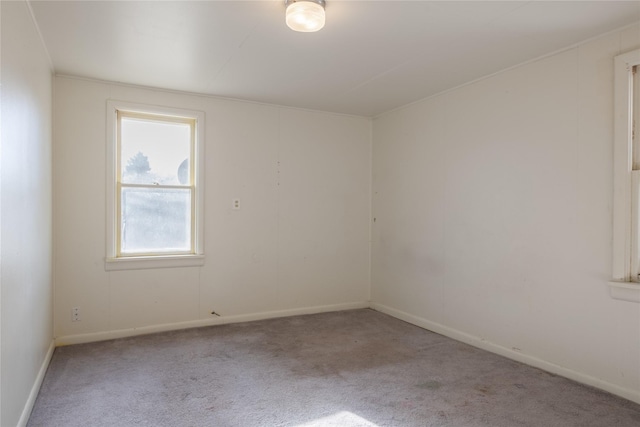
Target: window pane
[154,152]
[155,220]
[635,120]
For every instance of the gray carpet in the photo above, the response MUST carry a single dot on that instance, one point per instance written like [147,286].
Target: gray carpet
[351,368]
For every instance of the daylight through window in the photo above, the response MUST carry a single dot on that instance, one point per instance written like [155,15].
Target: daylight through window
[155,186]
[625,283]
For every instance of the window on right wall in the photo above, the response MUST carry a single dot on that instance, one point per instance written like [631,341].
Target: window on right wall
[625,284]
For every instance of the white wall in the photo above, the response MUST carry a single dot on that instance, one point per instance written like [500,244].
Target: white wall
[493,216]
[25,214]
[299,243]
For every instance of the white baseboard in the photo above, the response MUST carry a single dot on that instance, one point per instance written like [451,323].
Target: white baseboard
[633,395]
[122,333]
[28,407]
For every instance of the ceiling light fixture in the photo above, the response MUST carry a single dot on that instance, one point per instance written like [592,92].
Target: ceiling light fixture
[306,16]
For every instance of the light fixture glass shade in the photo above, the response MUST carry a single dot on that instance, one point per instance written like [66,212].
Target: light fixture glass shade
[306,16]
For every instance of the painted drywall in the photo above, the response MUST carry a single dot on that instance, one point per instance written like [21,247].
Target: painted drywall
[25,214]
[299,242]
[493,224]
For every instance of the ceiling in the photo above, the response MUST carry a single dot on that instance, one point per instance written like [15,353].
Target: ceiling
[371,57]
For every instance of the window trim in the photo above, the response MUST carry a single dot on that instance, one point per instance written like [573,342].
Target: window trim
[626,194]
[112,260]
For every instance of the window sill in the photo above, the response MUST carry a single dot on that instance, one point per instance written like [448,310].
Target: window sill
[625,291]
[140,263]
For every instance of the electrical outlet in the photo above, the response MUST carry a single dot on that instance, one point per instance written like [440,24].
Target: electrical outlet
[236,204]
[75,314]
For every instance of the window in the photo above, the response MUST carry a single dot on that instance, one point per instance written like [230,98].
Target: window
[626,204]
[155,182]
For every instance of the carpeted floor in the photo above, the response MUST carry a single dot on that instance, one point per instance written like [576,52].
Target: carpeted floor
[347,369]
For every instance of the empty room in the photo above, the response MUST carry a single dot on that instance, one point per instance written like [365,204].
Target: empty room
[319,213]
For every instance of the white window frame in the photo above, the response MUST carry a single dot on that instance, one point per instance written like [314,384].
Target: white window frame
[112,260]
[626,194]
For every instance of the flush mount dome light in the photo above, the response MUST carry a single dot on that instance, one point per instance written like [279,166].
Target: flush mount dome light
[306,16]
